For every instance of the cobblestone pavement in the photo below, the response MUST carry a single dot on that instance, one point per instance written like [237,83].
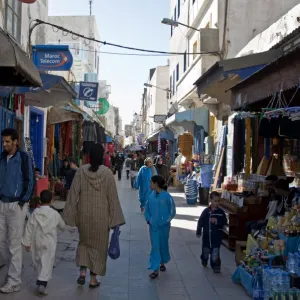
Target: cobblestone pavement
[127,277]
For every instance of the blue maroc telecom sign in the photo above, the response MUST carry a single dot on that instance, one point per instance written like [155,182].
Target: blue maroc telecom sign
[88,91]
[52,57]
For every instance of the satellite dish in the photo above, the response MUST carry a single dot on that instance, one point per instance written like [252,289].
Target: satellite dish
[103,106]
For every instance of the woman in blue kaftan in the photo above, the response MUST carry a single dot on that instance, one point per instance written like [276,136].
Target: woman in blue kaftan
[160,210]
[142,181]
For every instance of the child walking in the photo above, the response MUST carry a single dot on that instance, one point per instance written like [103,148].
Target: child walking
[159,211]
[40,237]
[212,221]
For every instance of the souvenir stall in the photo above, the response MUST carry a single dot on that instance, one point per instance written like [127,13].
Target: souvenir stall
[273,102]
[64,141]
[269,266]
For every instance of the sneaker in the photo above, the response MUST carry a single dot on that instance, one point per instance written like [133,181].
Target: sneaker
[42,290]
[9,288]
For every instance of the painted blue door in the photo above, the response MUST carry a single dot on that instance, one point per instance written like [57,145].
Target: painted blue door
[36,137]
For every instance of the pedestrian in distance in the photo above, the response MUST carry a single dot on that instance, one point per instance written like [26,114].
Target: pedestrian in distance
[161,168]
[119,161]
[40,237]
[142,181]
[17,184]
[210,225]
[127,163]
[134,169]
[159,212]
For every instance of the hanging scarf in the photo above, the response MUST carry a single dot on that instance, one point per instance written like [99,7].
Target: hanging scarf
[248,148]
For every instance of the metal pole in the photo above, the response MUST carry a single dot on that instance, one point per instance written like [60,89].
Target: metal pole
[91,1]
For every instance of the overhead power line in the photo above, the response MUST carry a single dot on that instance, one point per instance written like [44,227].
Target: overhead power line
[122,53]
[76,35]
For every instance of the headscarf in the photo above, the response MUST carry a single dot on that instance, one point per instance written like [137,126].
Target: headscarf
[149,159]
[156,160]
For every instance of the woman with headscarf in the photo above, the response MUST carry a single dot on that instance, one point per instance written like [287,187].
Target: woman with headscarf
[93,206]
[161,169]
[142,181]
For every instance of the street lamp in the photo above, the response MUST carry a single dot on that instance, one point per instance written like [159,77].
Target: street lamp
[171,22]
[157,87]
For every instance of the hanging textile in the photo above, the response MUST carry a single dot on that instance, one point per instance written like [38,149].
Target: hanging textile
[89,132]
[28,149]
[68,139]
[248,148]
[269,128]
[255,142]
[158,144]
[238,145]
[50,141]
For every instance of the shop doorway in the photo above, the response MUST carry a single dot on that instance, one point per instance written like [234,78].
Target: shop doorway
[36,135]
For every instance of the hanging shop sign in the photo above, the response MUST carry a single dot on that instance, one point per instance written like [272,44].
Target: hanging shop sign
[160,118]
[88,91]
[52,57]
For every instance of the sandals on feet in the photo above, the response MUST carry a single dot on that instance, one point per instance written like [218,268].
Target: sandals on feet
[93,286]
[153,275]
[163,268]
[81,279]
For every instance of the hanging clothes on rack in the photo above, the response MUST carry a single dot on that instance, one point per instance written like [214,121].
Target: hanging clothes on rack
[248,148]
[238,145]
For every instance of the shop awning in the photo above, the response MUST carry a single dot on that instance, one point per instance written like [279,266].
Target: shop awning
[212,85]
[186,118]
[256,90]
[60,115]
[16,69]
[56,91]
[164,132]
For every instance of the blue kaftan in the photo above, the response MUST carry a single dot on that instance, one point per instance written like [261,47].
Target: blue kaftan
[142,183]
[160,210]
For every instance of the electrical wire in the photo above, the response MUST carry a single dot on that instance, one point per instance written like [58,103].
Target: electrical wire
[121,53]
[67,31]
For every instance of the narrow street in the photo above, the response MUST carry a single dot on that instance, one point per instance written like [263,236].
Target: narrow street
[127,277]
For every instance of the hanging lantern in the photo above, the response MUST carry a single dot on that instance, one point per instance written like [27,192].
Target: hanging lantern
[27,1]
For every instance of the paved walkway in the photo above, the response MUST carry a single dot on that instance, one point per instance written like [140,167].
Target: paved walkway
[127,277]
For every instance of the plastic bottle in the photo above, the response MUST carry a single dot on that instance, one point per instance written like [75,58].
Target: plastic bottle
[258,291]
[291,264]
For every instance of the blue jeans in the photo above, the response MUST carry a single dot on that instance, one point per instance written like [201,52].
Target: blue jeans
[214,254]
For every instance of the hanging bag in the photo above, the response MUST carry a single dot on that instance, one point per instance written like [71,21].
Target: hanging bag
[114,246]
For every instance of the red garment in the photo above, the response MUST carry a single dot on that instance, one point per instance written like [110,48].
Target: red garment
[107,161]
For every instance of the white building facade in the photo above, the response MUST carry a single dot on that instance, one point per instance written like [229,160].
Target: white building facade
[85,54]
[242,21]
[157,97]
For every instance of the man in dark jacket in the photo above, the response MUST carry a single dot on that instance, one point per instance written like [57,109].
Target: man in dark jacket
[119,164]
[17,181]
[211,222]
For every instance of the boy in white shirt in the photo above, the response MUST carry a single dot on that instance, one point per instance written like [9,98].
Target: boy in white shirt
[41,238]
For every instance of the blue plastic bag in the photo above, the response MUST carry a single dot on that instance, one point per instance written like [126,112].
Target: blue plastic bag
[114,246]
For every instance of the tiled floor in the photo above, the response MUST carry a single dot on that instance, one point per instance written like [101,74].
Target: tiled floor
[127,277]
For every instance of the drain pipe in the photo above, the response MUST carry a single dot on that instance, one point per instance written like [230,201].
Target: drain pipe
[223,50]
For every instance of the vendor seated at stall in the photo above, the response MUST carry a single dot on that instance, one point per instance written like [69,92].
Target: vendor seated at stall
[273,202]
